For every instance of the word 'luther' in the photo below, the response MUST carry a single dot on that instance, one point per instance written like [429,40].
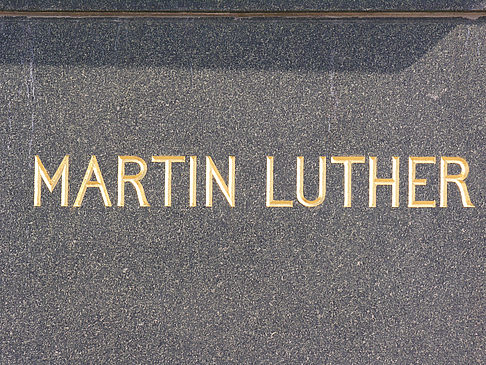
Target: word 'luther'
[228,188]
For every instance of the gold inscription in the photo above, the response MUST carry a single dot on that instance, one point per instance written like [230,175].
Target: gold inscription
[300,183]
[413,182]
[270,202]
[394,181]
[192,181]
[132,179]
[348,162]
[213,173]
[228,188]
[87,183]
[168,174]
[445,178]
[40,174]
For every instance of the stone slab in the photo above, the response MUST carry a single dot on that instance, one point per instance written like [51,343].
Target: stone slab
[248,284]
[247,5]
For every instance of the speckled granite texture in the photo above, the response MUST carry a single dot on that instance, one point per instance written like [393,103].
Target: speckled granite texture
[248,284]
[246,5]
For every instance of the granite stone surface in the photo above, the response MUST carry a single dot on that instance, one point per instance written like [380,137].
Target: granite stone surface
[248,284]
[246,5]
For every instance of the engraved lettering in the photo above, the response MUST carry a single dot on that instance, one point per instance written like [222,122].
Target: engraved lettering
[40,174]
[394,182]
[413,182]
[87,183]
[213,173]
[300,183]
[445,178]
[270,202]
[168,174]
[132,179]
[192,180]
[348,162]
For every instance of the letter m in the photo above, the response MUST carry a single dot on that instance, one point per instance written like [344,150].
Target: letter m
[41,173]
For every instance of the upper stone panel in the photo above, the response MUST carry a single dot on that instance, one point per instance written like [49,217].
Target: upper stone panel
[246,5]
[245,284]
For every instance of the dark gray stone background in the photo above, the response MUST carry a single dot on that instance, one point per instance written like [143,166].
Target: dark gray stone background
[248,284]
[245,5]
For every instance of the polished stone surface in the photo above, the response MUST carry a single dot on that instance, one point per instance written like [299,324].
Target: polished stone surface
[248,284]
[246,5]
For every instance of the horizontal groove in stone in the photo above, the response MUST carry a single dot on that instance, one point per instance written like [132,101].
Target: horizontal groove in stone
[248,14]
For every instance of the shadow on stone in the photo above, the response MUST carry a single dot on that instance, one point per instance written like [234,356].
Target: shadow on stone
[383,46]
